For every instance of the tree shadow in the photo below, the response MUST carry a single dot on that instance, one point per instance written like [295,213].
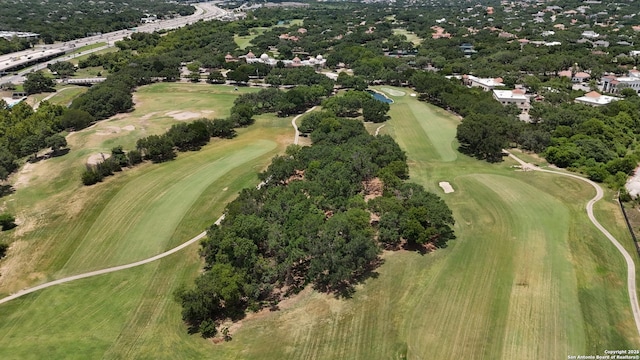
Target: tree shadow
[6,190]
[57,153]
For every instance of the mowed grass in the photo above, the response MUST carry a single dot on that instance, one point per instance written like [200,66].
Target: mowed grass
[528,277]
[411,36]
[244,41]
[65,96]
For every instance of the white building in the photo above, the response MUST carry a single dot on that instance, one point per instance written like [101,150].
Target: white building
[590,34]
[18,34]
[595,99]
[614,85]
[516,97]
[317,61]
[485,83]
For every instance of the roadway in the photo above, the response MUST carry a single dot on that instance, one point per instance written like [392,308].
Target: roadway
[39,54]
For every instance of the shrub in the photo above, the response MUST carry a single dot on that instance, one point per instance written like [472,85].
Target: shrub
[7,222]
[3,249]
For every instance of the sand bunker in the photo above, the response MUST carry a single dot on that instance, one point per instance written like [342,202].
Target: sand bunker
[96,158]
[188,115]
[128,128]
[393,92]
[446,187]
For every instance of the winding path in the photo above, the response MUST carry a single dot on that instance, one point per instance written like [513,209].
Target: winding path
[137,263]
[296,137]
[631,268]
[107,270]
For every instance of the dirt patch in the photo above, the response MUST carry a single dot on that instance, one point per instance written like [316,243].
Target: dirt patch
[189,115]
[372,188]
[96,158]
[23,175]
[446,187]
[129,128]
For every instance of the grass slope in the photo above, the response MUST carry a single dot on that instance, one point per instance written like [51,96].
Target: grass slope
[528,277]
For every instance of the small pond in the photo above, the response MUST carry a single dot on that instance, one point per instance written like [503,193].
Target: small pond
[380,97]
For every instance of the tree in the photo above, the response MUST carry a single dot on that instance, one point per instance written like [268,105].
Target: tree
[62,69]
[55,142]
[194,77]
[238,76]
[482,136]
[374,110]
[628,92]
[156,148]
[74,119]
[215,77]
[36,83]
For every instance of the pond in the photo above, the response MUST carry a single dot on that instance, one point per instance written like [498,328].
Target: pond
[380,97]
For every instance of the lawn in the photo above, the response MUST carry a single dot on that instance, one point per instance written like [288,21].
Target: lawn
[411,36]
[528,276]
[245,41]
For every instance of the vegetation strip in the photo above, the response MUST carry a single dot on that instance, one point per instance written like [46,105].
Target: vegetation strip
[631,269]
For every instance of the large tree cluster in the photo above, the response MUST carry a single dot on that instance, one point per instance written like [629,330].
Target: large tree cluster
[321,217]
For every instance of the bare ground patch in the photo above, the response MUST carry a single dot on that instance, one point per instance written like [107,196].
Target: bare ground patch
[96,158]
[189,115]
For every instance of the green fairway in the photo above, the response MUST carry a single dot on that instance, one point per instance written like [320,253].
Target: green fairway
[245,41]
[528,277]
[411,36]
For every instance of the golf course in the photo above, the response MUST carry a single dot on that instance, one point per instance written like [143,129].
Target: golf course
[528,276]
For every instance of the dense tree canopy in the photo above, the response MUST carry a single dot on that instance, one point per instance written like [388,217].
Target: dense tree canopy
[313,222]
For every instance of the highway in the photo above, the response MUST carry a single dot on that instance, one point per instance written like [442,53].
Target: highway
[39,54]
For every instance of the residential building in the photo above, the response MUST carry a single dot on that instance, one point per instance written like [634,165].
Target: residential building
[580,77]
[485,83]
[516,97]
[613,84]
[595,99]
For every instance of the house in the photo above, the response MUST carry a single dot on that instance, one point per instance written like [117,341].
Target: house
[467,49]
[229,58]
[613,84]
[595,99]
[601,43]
[565,73]
[580,77]
[485,83]
[516,97]
[590,34]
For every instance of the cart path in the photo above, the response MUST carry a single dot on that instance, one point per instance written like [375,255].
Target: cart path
[137,263]
[296,137]
[107,270]
[631,268]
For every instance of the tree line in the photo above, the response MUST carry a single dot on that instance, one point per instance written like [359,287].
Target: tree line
[317,219]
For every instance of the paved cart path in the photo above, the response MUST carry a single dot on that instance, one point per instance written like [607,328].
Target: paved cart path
[631,268]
